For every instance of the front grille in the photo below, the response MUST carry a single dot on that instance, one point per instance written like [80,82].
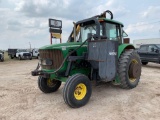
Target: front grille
[26,54]
[55,55]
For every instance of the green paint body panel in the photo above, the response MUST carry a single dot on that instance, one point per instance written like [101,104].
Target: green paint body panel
[122,47]
[65,47]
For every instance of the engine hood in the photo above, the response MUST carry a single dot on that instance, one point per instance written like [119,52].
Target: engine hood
[62,46]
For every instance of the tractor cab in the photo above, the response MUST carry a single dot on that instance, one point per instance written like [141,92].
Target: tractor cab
[98,27]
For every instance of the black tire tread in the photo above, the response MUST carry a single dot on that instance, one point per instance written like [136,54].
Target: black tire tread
[67,87]
[144,63]
[122,66]
[46,89]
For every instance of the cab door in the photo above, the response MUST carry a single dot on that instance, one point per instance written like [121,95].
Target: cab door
[153,55]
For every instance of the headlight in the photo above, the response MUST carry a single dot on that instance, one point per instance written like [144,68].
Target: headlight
[45,61]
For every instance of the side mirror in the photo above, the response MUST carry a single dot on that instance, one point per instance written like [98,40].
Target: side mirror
[156,50]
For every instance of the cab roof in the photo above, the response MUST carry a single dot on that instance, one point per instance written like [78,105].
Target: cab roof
[111,20]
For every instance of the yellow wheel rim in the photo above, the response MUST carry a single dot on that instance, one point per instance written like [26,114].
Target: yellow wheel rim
[80,91]
[132,79]
[134,61]
[50,83]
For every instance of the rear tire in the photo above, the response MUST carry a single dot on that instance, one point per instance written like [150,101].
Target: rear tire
[48,85]
[11,57]
[77,91]
[2,60]
[19,57]
[37,56]
[144,63]
[129,69]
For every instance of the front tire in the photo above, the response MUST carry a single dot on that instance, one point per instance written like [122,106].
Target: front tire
[37,56]
[11,57]
[129,69]
[77,91]
[144,63]
[47,85]
[19,57]
[2,60]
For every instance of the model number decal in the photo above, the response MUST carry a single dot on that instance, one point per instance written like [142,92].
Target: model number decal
[112,53]
[63,47]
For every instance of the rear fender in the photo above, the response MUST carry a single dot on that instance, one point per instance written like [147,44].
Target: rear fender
[122,47]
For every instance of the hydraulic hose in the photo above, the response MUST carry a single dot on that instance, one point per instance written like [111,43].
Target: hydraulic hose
[104,14]
[108,11]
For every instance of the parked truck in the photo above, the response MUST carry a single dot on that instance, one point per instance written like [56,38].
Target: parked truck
[35,53]
[1,56]
[149,53]
[19,53]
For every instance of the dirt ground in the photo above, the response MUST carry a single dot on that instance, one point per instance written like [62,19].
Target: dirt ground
[20,98]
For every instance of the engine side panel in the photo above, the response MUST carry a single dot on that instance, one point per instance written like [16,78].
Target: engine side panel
[103,56]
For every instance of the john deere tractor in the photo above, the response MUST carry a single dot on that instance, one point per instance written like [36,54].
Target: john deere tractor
[95,50]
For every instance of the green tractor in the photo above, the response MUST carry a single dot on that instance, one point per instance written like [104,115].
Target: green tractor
[95,50]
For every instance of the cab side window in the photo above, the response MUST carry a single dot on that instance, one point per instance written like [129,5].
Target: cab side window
[151,48]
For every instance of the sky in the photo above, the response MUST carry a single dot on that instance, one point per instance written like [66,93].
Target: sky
[25,22]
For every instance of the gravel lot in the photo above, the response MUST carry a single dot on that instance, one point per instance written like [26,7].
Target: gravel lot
[20,98]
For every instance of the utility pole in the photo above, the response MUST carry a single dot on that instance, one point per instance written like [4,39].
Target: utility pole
[30,46]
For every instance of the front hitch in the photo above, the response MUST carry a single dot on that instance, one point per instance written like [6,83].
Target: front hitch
[37,72]
[40,73]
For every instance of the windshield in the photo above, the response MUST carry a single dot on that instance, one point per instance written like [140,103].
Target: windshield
[86,31]
[158,45]
[108,31]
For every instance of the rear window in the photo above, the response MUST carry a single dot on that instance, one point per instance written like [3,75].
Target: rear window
[143,48]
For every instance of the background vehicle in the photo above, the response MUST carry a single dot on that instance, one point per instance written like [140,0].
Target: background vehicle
[35,53]
[19,53]
[12,53]
[1,56]
[95,51]
[149,53]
